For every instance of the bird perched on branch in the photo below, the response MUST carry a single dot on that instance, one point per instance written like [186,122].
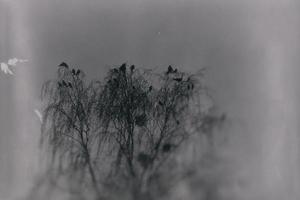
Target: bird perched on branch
[123,67]
[132,67]
[170,70]
[63,64]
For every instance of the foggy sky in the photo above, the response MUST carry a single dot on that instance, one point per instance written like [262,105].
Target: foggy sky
[236,40]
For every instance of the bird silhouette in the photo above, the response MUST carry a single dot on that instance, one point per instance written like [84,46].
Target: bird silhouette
[123,67]
[132,67]
[5,68]
[170,69]
[63,64]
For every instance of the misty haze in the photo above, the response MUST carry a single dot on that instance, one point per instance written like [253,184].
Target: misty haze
[144,100]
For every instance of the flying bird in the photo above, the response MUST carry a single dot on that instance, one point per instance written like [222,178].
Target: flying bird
[63,64]
[39,115]
[5,68]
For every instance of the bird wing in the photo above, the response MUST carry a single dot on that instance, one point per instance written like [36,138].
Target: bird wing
[39,115]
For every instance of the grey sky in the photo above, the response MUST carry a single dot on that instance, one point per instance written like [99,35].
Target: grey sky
[240,42]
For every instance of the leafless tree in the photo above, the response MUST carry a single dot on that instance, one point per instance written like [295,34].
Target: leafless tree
[120,133]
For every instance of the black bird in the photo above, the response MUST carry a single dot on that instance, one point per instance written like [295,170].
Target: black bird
[150,88]
[73,71]
[177,79]
[132,67]
[70,85]
[166,147]
[123,67]
[78,72]
[63,64]
[170,69]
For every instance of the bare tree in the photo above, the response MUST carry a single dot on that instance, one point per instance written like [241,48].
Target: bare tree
[69,126]
[122,133]
[145,113]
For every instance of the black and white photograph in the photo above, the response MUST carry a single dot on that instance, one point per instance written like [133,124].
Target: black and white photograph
[149,100]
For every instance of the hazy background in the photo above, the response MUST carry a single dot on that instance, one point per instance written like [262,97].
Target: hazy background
[251,49]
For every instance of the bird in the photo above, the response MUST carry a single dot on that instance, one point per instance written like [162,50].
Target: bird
[39,115]
[170,69]
[78,72]
[73,71]
[63,64]
[123,67]
[5,68]
[177,79]
[132,67]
